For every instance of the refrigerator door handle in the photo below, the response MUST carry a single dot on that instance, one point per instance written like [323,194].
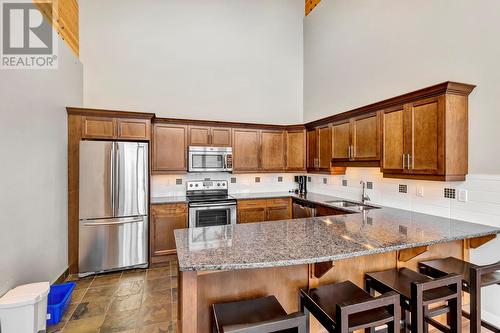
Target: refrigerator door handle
[112,178]
[116,180]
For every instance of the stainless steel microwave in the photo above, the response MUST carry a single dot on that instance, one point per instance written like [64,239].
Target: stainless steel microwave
[209,159]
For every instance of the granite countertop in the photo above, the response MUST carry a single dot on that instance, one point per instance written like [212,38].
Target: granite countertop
[168,200]
[313,240]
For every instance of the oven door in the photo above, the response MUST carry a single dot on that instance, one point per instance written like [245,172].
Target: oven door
[212,214]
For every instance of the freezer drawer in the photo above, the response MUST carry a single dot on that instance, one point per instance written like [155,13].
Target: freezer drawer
[112,244]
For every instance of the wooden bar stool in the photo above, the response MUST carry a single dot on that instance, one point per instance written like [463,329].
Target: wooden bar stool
[260,315]
[474,277]
[344,307]
[417,292]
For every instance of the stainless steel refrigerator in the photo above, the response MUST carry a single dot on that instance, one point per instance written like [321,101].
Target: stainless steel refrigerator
[113,209]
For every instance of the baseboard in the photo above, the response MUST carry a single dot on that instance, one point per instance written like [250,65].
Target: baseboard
[63,276]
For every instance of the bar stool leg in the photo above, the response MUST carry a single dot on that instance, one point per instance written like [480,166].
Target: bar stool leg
[475,301]
[370,291]
[305,311]
[455,315]
[417,309]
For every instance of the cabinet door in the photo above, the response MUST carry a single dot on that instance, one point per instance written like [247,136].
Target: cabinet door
[393,140]
[296,151]
[250,215]
[169,147]
[98,128]
[272,151]
[279,209]
[134,129]
[341,140]
[312,150]
[199,136]
[221,137]
[327,211]
[246,148]
[324,148]
[164,220]
[365,138]
[426,147]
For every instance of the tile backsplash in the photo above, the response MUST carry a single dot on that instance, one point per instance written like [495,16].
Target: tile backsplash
[167,185]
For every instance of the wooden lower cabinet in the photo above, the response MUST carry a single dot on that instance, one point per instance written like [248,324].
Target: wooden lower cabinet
[260,210]
[165,218]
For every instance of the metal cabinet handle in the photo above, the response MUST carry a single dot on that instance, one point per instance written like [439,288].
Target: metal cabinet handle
[404,161]
[408,161]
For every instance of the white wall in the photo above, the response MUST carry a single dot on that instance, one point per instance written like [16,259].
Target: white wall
[234,60]
[361,51]
[33,170]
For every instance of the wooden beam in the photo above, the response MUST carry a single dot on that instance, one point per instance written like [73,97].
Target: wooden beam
[65,20]
[474,243]
[188,302]
[408,254]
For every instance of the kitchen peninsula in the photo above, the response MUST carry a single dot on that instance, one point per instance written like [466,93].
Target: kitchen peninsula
[227,263]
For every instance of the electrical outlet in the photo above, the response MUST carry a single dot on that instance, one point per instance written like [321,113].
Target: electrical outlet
[403,188]
[462,195]
[280,179]
[257,179]
[233,180]
[178,181]
[344,182]
[308,179]
[369,185]
[325,181]
[420,191]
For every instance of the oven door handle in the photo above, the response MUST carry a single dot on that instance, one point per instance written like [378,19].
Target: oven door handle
[215,204]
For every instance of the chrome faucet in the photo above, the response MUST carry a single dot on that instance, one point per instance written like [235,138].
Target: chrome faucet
[364,197]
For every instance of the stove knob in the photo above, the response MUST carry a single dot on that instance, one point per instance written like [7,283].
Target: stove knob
[218,184]
[190,185]
[196,185]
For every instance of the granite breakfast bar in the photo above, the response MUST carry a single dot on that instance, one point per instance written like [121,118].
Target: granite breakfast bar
[228,263]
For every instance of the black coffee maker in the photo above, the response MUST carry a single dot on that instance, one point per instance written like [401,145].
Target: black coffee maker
[302,181]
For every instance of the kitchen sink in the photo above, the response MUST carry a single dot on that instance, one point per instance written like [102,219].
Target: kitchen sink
[350,204]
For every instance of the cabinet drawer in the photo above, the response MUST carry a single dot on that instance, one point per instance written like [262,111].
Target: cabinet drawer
[167,209]
[278,202]
[251,203]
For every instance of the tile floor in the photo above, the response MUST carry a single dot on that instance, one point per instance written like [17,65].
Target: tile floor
[137,301]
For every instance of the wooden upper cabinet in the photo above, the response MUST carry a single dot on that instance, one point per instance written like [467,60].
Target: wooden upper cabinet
[312,150]
[426,142]
[272,150]
[426,139]
[365,136]
[209,136]
[98,127]
[393,139]
[129,128]
[341,140]
[296,150]
[246,150]
[116,128]
[324,148]
[169,148]
[199,136]
[165,219]
[221,136]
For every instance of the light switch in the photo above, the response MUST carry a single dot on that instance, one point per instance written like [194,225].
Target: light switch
[462,195]
[420,191]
